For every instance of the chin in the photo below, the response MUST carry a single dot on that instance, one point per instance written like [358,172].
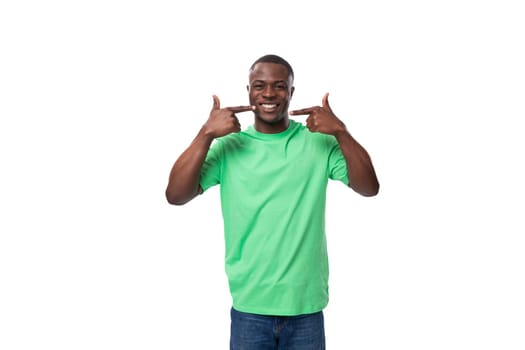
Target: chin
[271,119]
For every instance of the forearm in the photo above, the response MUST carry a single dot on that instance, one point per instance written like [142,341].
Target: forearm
[184,177]
[361,173]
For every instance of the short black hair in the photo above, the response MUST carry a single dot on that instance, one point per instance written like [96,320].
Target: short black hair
[274,59]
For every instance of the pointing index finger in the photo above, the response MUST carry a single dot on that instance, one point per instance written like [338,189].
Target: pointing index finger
[303,111]
[239,109]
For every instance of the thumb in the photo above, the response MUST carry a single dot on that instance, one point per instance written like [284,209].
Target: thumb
[325,102]
[216,103]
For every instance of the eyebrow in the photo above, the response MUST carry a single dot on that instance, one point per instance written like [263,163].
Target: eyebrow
[266,81]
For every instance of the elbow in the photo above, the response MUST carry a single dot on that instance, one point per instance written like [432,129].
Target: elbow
[374,190]
[181,196]
[371,193]
[176,202]
[175,199]
[368,191]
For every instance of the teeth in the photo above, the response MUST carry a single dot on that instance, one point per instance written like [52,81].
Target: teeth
[267,105]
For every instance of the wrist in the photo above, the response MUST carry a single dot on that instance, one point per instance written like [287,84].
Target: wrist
[341,131]
[206,134]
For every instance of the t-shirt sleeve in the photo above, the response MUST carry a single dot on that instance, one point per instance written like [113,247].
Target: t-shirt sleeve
[211,169]
[336,162]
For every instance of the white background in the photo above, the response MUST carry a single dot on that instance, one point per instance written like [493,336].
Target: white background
[98,99]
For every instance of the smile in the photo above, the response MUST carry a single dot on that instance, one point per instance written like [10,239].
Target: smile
[269,105]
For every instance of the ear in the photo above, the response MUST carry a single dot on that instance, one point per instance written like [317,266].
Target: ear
[291,91]
[248,88]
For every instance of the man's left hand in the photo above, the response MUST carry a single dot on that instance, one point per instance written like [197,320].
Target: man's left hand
[321,118]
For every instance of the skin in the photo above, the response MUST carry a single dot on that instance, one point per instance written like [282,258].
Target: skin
[183,183]
[361,174]
[270,90]
[270,84]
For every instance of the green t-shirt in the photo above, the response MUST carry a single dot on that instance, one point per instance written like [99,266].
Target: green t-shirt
[273,195]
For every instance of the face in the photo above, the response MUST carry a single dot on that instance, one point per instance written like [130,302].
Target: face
[270,90]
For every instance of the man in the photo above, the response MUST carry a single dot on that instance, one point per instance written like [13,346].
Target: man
[273,179]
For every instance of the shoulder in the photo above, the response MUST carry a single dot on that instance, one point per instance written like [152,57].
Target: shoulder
[232,139]
[228,142]
[317,138]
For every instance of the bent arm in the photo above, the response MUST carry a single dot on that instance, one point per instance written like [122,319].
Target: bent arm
[183,184]
[361,173]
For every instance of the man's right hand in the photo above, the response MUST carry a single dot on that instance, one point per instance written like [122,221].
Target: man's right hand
[222,121]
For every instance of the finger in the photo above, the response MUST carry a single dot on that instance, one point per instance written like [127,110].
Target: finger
[310,127]
[239,109]
[237,125]
[303,111]
[325,102]
[309,122]
[216,103]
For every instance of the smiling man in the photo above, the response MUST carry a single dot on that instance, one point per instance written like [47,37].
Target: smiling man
[270,89]
[273,179]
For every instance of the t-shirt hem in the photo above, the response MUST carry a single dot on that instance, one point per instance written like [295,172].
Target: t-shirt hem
[279,312]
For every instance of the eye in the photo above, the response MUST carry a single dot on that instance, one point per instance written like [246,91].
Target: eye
[258,86]
[281,86]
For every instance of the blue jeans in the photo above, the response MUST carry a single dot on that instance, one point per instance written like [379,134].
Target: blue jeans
[259,332]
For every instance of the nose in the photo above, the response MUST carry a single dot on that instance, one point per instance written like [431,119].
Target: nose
[268,91]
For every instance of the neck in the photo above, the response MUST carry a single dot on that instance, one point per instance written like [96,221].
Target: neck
[271,128]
